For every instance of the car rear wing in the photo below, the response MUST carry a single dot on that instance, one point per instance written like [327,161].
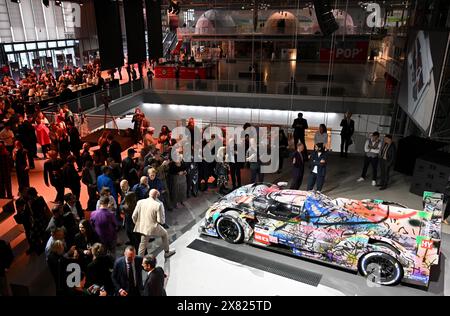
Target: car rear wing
[429,237]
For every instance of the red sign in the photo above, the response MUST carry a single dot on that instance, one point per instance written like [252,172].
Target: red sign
[185,72]
[353,52]
[427,244]
[264,239]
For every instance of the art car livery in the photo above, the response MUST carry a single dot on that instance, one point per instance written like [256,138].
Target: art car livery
[385,241]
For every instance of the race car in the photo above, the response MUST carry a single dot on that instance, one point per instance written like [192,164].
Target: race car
[384,241]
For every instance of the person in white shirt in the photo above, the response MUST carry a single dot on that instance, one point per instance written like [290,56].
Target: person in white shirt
[321,136]
[372,149]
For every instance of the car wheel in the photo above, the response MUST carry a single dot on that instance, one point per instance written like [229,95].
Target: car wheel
[381,268]
[230,229]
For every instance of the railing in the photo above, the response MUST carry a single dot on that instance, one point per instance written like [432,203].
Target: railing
[362,89]
[97,99]
[95,122]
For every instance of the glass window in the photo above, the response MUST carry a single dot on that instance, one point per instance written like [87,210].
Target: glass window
[70,43]
[8,48]
[61,43]
[42,45]
[51,44]
[31,46]
[18,47]
[12,58]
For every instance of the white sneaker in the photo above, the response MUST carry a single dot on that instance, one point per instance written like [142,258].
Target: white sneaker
[169,254]
[374,183]
[360,179]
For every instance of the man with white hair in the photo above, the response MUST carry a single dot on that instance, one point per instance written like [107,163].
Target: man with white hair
[148,217]
[141,189]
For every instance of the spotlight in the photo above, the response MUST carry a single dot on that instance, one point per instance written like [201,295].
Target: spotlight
[58,3]
[15,1]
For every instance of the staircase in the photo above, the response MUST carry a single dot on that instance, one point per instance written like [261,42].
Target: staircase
[28,274]
[169,43]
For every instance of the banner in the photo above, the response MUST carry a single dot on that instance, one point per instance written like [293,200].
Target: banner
[349,52]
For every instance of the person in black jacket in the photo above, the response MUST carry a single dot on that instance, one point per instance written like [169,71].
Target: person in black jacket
[57,262]
[37,215]
[73,206]
[6,165]
[75,143]
[319,160]
[298,167]
[89,178]
[98,272]
[127,274]
[130,168]
[20,157]
[84,240]
[71,177]
[348,128]
[27,135]
[53,170]
[387,160]
[86,155]
[154,283]
[300,125]
[114,149]
[6,259]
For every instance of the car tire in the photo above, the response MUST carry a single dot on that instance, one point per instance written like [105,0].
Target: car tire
[229,229]
[381,268]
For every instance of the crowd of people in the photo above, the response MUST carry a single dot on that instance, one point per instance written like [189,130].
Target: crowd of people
[35,86]
[133,193]
[379,154]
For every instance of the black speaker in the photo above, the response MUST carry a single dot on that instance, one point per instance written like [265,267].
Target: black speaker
[109,33]
[325,17]
[431,173]
[154,29]
[412,147]
[135,29]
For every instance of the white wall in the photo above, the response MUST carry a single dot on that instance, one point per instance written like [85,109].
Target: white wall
[174,115]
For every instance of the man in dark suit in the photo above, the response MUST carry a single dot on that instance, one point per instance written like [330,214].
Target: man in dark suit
[114,149]
[348,128]
[75,144]
[127,274]
[53,170]
[154,283]
[387,160]
[129,168]
[73,206]
[299,126]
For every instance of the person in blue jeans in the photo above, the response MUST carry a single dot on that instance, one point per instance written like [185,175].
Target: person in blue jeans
[319,159]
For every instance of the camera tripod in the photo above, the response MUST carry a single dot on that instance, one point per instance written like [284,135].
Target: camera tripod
[108,113]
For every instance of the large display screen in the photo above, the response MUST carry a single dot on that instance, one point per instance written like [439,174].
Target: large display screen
[420,78]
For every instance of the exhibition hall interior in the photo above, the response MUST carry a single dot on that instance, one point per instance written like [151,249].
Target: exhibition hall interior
[224,148]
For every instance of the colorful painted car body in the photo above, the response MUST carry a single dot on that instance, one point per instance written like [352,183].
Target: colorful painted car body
[348,233]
